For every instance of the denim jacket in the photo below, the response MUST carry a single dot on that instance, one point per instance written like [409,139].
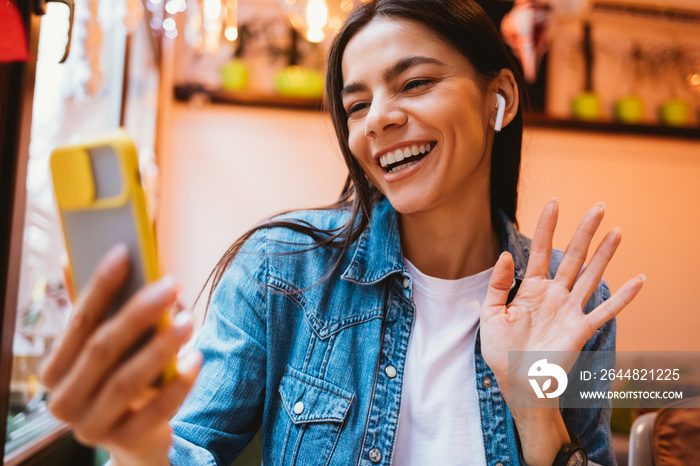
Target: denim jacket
[303,355]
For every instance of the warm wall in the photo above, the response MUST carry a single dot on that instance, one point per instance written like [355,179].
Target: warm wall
[652,191]
[226,167]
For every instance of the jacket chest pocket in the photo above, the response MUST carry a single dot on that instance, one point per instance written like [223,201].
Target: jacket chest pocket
[313,413]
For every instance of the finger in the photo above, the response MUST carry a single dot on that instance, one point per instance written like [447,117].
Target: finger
[177,307]
[134,379]
[499,285]
[592,274]
[576,252]
[166,404]
[90,310]
[541,248]
[617,302]
[108,346]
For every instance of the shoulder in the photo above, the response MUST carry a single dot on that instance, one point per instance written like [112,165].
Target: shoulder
[296,232]
[280,254]
[299,227]
[287,250]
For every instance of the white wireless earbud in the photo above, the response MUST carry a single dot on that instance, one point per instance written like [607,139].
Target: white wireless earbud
[501,106]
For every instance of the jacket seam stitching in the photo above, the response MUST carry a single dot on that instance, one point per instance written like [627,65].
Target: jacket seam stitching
[327,356]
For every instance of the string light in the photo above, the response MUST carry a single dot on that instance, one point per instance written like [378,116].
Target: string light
[231,33]
[212,9]
[169,24]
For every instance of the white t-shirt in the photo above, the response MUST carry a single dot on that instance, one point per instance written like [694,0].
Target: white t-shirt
[440,421]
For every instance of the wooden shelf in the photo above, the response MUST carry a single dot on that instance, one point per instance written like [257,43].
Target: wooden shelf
[186,92]
[685,132]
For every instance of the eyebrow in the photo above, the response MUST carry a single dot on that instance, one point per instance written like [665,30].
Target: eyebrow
[391,73]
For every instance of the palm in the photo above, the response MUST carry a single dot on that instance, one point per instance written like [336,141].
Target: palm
[547,314]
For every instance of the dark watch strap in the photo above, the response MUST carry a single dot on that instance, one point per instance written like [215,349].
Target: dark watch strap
[571,454]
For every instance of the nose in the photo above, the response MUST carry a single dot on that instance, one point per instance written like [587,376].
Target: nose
[384,115]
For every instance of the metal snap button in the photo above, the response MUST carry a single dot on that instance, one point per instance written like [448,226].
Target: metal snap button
[487,382]
[406,282]
[499,464]
[298,407]
[390,371]
[375,455]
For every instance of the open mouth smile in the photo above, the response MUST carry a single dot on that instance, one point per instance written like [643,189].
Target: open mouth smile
[404,157]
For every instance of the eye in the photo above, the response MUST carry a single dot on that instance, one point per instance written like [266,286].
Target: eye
[416,83]
[356,108]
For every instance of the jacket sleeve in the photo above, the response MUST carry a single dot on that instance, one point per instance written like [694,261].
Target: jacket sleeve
[592,426]
[224,410]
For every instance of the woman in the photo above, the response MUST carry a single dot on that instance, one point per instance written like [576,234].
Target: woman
[375,331]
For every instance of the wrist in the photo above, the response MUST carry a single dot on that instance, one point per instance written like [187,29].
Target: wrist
[542,433]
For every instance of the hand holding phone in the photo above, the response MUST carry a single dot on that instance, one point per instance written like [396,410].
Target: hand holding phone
[101,375]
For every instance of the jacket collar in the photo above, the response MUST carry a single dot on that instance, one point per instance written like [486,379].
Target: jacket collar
[378,252]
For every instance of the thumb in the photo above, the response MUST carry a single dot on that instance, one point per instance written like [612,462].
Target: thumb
[499,284]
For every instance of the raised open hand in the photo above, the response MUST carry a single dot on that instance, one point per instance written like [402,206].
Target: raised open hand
[547,314]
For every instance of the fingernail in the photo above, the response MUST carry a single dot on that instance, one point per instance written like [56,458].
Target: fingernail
[643,277]
[183,322]
[554,200]
[619,230]
[188,361]
[163,287]
[116,254]
[601,206]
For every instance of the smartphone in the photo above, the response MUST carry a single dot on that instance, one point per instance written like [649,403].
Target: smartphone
[101,202]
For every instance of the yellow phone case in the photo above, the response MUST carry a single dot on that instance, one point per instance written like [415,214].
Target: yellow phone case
[101,203]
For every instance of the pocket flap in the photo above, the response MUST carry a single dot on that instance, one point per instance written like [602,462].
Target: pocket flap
[308,399]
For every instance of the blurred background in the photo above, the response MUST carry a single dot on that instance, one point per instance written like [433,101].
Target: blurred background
[224,100]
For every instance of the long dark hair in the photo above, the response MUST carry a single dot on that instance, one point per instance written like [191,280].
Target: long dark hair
[463,24]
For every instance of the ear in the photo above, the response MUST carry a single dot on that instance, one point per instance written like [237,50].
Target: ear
[505,85]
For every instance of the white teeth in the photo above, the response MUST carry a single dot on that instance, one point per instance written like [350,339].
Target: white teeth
[401,167]
[401,154]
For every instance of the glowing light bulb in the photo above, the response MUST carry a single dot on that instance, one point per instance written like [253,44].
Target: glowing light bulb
[316,14]
[694,80]
[212,9]
[172,7]
[231,33]
[169,24]
[315,35]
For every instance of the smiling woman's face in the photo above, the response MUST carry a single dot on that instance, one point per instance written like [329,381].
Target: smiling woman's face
[426,114]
